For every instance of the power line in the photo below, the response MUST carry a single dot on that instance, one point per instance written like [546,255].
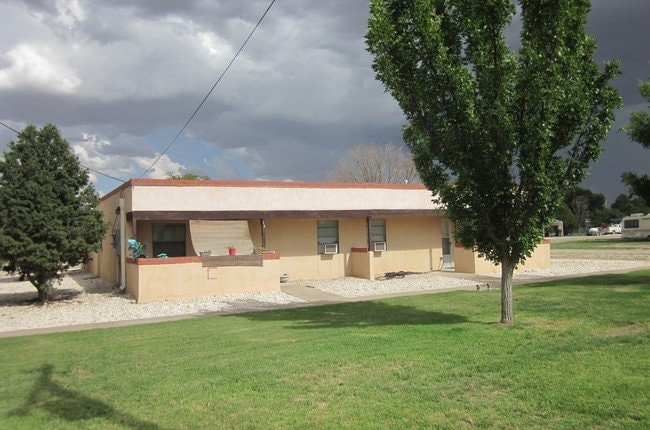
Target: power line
[103,174]
[10,128]
[209,92]
[169,145]
[85,167]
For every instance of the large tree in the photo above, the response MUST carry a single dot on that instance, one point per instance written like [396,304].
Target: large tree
[498,135]
[627,205]
[639,131]
[48,209]
[376,163]
[587,207]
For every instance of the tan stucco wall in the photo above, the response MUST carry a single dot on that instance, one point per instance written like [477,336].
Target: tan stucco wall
[105,262]
[156,279]
[466,261]
[218,195]
[414,244]
[362,264]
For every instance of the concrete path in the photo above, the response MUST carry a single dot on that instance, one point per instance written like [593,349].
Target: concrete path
[312,296]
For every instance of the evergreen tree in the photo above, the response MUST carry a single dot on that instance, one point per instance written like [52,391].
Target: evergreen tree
[498,135]
[49,219]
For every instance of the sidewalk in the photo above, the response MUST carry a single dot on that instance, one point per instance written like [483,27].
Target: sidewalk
[312,297]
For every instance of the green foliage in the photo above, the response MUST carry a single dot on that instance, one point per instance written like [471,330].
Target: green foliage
[570,223]
[48,210]
[639,131]
[499,136]
[627,205]
[639,185]
[587,207]
[191,176]
[577,358]
[639,127]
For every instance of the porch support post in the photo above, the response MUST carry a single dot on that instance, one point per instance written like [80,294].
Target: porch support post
[122,245]
[368,234]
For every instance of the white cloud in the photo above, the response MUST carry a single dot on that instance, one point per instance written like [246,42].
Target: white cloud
[213,44]
[163,168]
[246,157]
[37,66]
[301,92]
[91,152]
[70,12]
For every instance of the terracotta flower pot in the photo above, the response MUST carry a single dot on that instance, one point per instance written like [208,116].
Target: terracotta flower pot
[232,251]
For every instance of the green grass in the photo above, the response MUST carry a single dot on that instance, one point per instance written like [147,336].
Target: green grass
[614,243]
[578,356]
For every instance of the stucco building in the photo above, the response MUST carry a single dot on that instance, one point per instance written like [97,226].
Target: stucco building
[302,230]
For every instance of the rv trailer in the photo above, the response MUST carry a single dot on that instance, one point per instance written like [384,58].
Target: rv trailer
[636,226]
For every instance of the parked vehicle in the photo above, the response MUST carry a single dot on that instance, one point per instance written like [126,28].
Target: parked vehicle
[611,229]
[636,226]
[593,231]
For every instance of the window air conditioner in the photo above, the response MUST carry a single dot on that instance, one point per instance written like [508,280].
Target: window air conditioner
[379,246]
[328,248]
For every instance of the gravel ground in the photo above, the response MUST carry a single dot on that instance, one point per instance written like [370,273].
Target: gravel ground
[84,299]
[355,287]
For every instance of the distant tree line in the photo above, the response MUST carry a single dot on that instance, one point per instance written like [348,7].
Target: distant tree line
[582,208]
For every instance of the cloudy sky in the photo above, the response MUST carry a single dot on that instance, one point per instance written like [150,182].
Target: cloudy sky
[121,78]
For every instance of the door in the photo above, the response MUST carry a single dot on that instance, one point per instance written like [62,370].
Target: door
[447,248]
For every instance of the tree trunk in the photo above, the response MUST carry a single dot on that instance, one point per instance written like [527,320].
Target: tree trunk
[43,288]
[43,293]
[507,269]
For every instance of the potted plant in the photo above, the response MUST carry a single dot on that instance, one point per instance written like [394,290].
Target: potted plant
[137,248]
[231,250]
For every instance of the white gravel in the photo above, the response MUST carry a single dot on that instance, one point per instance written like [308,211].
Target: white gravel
[560,267]
[84,299]
[355,287]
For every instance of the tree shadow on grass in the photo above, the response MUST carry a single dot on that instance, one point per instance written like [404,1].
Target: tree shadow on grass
[72,406]
[639,278]
[358,314]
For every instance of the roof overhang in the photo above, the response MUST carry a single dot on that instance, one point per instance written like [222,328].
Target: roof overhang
[292,214]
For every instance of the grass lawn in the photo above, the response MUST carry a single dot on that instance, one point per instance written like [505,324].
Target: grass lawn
[614,243]
[578,356]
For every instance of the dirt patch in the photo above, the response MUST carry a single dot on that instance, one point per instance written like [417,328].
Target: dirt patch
[635,329]
[641,254]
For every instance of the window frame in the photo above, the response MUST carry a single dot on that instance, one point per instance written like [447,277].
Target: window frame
[171,247]
[376,230]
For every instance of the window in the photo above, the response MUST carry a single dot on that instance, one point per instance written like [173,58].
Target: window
[631,223]
[328,236]
[168,239]
[377,230]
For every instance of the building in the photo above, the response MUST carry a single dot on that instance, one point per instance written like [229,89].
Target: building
[298,230]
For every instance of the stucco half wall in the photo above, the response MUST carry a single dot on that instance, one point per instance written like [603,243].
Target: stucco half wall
[156,279]
[466,261]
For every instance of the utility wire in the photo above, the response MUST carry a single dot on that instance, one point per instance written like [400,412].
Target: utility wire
[10,128]
[209,92]
[85,167]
